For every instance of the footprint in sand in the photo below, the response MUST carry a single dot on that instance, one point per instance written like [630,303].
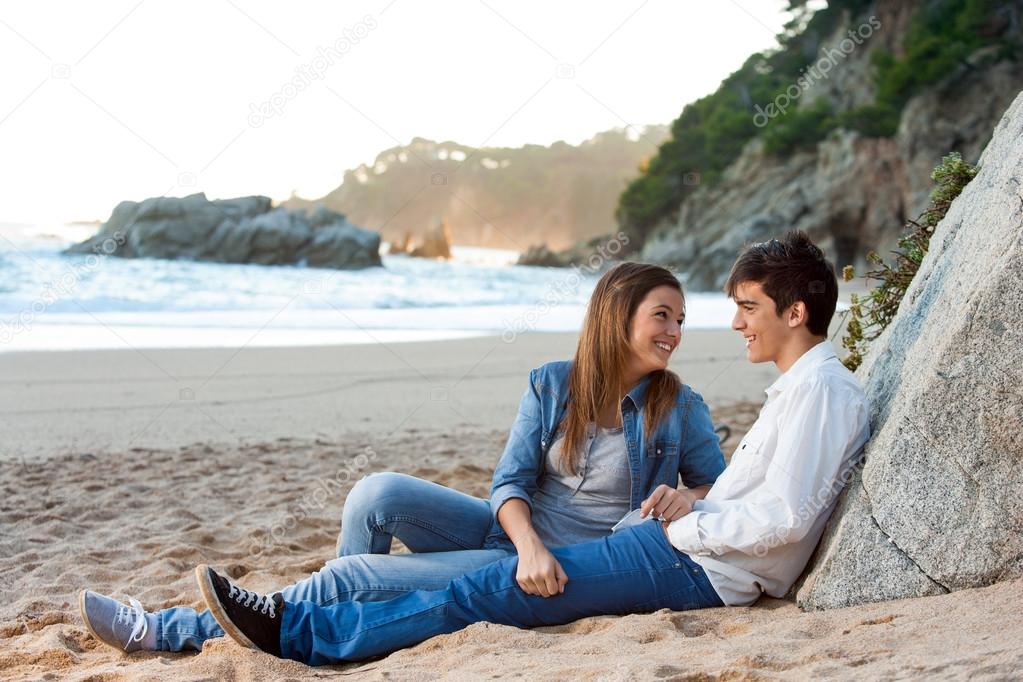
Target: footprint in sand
[691,625]
[665,671]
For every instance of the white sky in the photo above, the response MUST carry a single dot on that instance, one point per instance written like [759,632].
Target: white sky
[126,99]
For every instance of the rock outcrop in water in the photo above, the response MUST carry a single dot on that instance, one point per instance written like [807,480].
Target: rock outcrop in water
[241,230]
[937,504]
[435,242]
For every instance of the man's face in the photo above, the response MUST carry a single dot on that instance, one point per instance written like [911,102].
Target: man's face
[756,318]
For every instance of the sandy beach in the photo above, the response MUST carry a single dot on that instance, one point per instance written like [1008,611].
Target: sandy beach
[112,401]
[122,470]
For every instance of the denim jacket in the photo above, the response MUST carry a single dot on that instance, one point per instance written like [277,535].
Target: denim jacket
[683,444]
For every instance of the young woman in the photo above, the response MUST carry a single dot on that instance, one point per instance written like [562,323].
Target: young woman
[610,432]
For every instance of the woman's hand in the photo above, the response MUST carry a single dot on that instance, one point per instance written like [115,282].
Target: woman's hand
[539,573]
[669,503]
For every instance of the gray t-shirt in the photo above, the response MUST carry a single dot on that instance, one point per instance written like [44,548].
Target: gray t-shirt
[568,509]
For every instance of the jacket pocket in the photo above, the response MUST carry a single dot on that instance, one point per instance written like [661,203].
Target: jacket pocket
[663,447]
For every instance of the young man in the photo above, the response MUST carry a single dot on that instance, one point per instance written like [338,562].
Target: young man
[752,533]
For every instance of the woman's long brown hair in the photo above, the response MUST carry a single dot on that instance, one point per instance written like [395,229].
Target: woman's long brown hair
[598,372]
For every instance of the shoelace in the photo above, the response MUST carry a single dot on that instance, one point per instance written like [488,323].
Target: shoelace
[251,600]
[135,615]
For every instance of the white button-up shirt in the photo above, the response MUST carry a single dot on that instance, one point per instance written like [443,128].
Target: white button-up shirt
[758,525]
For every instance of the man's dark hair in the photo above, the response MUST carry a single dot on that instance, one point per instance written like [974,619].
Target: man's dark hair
[790,269]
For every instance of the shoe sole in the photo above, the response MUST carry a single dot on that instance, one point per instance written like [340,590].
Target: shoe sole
[209,593]
[88,623]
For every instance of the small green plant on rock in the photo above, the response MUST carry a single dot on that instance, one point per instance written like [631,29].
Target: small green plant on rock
[871,314]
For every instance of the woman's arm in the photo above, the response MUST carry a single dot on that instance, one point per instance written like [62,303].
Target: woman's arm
[700,459]
[700,462]
[515,481]
[518,470]
[538,571]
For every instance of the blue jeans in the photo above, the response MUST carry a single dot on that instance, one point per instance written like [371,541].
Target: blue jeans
[446,528]
[636,570]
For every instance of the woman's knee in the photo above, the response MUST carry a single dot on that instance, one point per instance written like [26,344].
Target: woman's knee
[324,587]
[374,494]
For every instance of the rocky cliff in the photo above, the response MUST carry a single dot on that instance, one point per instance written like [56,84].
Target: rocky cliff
[241,230]
[500,197]
[851,192]
[936,506]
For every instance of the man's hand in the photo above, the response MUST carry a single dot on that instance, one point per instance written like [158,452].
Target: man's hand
[539,573]
[669,503]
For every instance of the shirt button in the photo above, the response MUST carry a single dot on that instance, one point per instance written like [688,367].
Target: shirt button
[658,451]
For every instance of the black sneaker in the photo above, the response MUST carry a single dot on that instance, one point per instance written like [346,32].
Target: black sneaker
[252,620]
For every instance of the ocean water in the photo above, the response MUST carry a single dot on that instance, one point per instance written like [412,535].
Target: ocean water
[51,301]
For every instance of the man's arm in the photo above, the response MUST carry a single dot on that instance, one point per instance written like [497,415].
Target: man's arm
[801,480]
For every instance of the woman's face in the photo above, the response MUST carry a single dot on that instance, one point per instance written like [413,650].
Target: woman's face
[655,330]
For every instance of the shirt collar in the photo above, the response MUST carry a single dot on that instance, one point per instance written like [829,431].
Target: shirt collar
[638,392]
[806,363]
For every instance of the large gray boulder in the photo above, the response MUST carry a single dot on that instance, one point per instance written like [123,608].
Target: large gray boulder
[937,505]
[240,230]
[342,246]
